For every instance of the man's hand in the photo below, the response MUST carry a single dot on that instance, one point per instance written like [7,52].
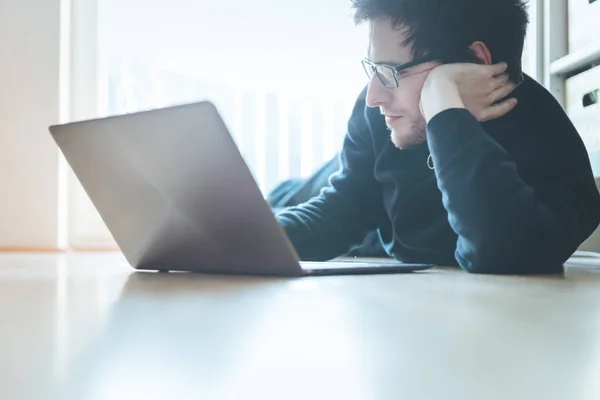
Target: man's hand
[475,87]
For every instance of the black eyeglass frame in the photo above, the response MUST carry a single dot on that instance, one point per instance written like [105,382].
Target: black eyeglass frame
[367,64]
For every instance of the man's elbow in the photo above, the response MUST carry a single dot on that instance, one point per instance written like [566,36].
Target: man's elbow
[541,248]
[511,267]
[517,260]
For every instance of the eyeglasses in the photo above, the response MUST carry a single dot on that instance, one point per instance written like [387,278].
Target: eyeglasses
[388,74]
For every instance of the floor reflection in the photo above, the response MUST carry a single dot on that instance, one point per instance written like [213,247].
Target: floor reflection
[193,336]
[169,333]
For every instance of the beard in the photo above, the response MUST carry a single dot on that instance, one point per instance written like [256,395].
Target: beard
[409,136]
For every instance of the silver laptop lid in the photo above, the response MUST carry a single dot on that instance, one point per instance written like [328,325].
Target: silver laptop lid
[175,192]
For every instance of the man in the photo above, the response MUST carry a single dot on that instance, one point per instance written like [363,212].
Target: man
[451,153]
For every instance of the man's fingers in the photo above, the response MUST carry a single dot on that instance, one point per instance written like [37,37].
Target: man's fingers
[498,110]
[501,80]
[502,91]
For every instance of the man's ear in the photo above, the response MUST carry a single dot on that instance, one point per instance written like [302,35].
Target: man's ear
[481,51]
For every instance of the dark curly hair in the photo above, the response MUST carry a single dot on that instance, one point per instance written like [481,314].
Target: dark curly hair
[446,28]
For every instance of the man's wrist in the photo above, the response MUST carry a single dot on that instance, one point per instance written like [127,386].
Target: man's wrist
[439,94]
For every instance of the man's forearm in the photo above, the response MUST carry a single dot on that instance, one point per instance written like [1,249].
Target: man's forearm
[323,228]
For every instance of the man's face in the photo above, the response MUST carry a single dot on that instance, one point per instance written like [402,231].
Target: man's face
[399,105]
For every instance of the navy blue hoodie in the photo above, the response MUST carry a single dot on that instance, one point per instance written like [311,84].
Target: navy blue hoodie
[511,195]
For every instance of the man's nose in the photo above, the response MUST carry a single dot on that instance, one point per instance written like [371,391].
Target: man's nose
[377,93]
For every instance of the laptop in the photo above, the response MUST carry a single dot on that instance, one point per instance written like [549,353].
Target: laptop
[176,194]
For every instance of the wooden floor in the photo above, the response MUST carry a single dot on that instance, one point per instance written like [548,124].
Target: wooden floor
[86,327]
